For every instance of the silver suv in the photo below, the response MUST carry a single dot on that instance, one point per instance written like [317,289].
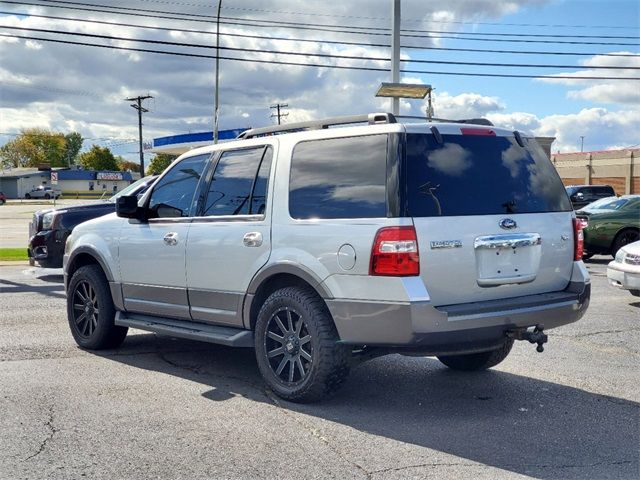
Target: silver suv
[319,246]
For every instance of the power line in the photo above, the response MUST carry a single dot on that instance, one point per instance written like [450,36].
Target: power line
[386,19]
[292,25]
[316,54]
[320,65]
[315,40]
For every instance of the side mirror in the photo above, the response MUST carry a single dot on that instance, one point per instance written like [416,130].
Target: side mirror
[127,207]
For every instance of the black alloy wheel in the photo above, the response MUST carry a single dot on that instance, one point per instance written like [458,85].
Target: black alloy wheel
[90,310]
[47,196]
[298,348]
[625,237]
[86,308]
[288,346]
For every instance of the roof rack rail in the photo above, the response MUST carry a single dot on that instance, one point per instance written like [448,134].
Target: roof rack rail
[370,118]
[473,121]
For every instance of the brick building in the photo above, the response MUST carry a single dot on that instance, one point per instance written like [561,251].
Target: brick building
[618,168]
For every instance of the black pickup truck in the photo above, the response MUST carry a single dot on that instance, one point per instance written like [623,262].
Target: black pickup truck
[49,228]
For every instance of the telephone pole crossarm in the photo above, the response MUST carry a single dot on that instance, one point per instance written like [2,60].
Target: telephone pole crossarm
[138,106]
[279,115]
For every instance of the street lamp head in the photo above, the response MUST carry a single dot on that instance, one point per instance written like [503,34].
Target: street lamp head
[403,90]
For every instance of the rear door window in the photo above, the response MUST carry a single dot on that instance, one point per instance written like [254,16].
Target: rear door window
[479,175]
[239,184]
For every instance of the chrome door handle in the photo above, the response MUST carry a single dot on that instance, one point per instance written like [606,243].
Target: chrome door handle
[171,239]
[252,239]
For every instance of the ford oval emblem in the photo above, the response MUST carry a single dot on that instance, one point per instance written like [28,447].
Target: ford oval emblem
[508,224]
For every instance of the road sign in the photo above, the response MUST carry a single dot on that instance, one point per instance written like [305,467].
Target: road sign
[54,178]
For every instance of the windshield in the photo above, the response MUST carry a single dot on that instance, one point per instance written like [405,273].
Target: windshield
[610,203]
[479,175]
[572,190]
[131,189]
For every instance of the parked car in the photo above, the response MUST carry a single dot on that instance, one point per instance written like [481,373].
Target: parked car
[609,224]
[49,228]
[583,195]
[3,198]
[326,245]
[44,191]
[624,271]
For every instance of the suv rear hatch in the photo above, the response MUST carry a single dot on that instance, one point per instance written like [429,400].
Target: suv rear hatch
[492,217]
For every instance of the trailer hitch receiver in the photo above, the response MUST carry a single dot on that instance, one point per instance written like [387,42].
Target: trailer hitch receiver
[532,334]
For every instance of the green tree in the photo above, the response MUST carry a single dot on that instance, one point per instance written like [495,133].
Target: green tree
[159,163]
[98,158]
[126,165]
[72,147]
[33,147]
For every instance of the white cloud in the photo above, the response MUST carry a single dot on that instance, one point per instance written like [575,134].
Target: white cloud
[602,129]
[624,92]
[465,105]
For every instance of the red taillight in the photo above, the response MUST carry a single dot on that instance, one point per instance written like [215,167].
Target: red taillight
[478,131]
[578,239]
[395,252]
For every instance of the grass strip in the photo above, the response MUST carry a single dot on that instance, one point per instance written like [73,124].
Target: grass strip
[13,254]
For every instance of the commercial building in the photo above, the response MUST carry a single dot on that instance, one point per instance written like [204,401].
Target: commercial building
[179,144]
[618,168]
[74,182]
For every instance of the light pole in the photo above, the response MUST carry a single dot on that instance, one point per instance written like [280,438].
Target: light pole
[395,54]
[581,143]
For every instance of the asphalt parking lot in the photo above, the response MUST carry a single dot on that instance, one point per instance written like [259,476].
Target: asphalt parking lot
[165,408]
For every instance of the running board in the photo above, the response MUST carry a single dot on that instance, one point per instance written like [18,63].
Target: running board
[230,336]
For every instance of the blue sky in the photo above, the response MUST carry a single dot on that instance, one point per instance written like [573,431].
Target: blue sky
[532,95]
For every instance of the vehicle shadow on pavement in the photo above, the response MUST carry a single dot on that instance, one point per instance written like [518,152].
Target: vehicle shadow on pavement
[54,290]
[512,422]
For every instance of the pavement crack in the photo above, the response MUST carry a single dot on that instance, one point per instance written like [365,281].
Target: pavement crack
[315,433]
[601,332]
[52,430]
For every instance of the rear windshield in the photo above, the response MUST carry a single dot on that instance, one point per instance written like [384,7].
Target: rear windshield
[479,175]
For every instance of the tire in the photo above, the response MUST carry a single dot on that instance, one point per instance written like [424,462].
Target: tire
[478,361]
[27,196]
[624,237]
[47,196]
[1,201]
[635,293]
[91,312]
[309,363]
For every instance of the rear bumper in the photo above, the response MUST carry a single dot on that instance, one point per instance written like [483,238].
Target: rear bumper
[456,328]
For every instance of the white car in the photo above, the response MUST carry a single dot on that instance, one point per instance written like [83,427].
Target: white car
[43,192]
[624,271]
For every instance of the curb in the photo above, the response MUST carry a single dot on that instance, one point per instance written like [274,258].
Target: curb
[14,263]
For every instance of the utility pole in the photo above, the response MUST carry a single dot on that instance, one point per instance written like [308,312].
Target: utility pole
[581,143]
[278,106]
[395,53]
[216,106]
[138,106]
